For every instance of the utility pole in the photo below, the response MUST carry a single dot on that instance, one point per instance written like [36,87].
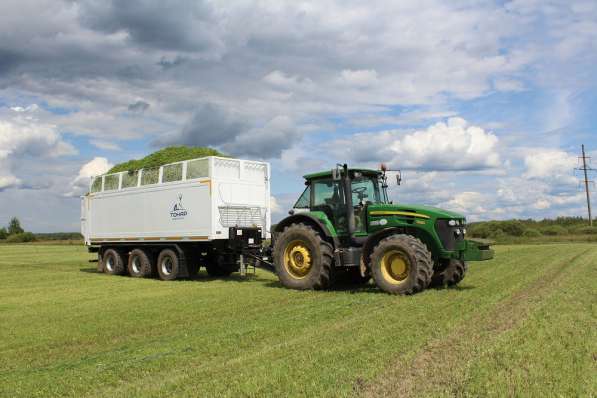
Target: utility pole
[586,169]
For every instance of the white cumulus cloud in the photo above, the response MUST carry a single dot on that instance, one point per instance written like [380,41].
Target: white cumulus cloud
[275,207]
[451,145]
[23,138]
[80,184]
[551,164]
[468,203]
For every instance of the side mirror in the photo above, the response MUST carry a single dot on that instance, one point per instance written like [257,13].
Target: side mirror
[398,178]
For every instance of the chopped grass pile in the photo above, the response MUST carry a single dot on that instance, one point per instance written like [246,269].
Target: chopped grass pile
[164,156]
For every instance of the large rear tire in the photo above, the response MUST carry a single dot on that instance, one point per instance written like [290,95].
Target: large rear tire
[168,265]
[303,260]
[451,275]
[401,264]
[113,262]
[139,265]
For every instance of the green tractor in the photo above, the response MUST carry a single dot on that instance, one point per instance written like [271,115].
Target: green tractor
[344,227]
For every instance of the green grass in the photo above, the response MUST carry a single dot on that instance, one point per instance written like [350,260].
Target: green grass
[523,324]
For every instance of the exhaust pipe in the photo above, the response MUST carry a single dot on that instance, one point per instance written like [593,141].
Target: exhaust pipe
[349,207]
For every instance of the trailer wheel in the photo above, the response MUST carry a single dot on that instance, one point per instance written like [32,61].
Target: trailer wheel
[113,262]
[451,275]
[139,265]
[401,264]
[168,265]
[303,259]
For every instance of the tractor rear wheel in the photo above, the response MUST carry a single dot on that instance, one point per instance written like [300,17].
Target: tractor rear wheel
[451,275]
[401,264]
[303,259]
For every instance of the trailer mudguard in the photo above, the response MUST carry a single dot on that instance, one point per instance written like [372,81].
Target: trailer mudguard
[477,250]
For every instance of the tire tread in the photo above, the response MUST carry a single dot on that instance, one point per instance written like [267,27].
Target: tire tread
[324,279]
[422,255]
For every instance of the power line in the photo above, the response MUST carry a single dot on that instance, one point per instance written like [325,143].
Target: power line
[586,169]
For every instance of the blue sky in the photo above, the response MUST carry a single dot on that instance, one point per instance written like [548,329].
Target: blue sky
[483,105]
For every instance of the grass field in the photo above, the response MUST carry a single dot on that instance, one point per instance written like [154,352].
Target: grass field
[523,324]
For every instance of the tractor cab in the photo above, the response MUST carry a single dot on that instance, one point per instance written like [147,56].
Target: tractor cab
[339,198]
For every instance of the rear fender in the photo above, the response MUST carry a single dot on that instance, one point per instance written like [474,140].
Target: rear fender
[316,219]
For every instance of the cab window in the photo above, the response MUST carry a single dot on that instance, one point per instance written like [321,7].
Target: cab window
[305,199]
[365,190]
[327,192]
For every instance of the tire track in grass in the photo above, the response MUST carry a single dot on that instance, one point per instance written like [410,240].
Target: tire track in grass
[439,368]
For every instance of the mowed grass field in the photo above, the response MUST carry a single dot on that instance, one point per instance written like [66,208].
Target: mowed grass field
[523,324]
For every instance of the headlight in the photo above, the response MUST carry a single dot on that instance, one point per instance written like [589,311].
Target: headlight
[452,223]
[457,231]
[464,231]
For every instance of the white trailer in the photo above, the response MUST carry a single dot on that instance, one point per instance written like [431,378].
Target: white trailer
[172,219]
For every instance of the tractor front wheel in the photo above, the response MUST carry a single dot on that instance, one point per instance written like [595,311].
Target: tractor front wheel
[302,258]
[401,264]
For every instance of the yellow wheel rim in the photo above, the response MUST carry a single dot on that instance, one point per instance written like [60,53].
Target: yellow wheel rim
[297,259]
[395,267]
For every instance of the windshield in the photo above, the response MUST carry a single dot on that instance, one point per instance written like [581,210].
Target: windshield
[305,200]
[366,190]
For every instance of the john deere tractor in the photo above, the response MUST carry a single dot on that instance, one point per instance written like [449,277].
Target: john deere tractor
[344,227]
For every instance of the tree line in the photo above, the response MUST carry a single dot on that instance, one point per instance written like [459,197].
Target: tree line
[531,228]
[14,233]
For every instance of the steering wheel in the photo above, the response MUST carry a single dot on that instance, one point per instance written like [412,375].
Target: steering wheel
[360,191]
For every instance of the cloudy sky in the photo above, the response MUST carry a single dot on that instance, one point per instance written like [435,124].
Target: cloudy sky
[482,104]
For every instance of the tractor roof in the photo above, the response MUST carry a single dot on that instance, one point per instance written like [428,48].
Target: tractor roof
[328,173]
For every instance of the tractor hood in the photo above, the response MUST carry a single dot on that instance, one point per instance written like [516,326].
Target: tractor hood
[431,212]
